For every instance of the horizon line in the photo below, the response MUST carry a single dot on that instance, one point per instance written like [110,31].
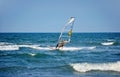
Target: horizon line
[59,32]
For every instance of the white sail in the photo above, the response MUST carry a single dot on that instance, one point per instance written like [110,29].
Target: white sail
[66,33]
[71,20]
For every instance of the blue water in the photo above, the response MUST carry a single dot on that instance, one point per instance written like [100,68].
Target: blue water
[87,55]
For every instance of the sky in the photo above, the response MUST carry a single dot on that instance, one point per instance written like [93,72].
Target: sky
[51,15]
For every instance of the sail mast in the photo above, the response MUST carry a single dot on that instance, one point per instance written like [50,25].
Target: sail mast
[71,31]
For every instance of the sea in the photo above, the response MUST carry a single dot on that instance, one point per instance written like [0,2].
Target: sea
[87,55]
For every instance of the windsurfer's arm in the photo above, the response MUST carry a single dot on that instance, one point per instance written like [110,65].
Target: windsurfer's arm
[67,41]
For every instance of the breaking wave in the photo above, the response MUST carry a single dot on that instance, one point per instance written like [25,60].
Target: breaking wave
[77,48]
[17,47]
[5,43]
[64,48]
[84,67]
[9,46]
[107,43]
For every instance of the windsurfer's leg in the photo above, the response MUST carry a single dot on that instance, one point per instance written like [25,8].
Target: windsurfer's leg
[57,46]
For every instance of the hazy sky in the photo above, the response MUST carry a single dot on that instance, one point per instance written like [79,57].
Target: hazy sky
[51,15]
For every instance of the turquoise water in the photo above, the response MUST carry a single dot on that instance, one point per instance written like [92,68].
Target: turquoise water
[87,55]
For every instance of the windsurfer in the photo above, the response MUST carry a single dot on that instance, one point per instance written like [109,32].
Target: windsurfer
[66,34]
[61,44]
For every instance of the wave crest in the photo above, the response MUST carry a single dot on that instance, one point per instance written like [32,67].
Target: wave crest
[77,48]
[9,47]
[84,67]
[107,43]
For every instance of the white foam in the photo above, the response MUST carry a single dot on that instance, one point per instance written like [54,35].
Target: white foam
[62,49]
[29,46]
[32,54]
[107,43]
[52,48]
[84,67]
[16,47]
[5,43]
[4,46]
[35,47]
[77,48]
[70,48]
[9,47]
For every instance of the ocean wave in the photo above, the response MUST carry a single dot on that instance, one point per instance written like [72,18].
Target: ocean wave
[5,43]
[77,48]
[62,49]
[118,54]
[16,47]
[32,54]
[84,67]
[30,46]
[9,47]
[35,47]
[110,40]
[107,43]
